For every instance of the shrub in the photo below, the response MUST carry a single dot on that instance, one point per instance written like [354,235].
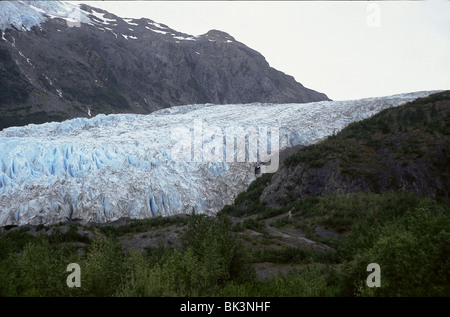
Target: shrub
[412,251]
[220,253]
[308,282]
[103,267]
[40,270]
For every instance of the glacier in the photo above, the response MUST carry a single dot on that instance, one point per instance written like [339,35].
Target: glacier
[23,15]
[108,167]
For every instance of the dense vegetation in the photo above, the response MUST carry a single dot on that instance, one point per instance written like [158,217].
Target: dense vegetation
[405,234]
[210,257]
[423,121]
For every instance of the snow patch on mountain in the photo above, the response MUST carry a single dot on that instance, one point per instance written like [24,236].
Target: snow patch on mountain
[184,38]
[101,16]
[156,31]
[111,166]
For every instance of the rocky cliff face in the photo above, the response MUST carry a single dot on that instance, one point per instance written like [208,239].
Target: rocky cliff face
[401,149]
[55,67]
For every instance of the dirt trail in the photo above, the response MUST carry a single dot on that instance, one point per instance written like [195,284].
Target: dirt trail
[295,237]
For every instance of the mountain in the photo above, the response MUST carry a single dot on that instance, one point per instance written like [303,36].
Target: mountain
[401,149]
[59,61]
[168,162]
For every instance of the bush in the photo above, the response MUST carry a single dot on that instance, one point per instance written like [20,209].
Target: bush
[40,270]
[210,258]
[143,279]
[220,253]
[412,251]
[103,268]
[310,281]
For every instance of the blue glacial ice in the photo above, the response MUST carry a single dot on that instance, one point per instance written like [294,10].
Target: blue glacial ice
[139,166]
[23,15]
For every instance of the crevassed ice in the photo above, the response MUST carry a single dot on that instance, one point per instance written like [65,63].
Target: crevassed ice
[111,166]
[31,13]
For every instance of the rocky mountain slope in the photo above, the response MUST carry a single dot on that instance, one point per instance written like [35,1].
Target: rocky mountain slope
[401,149]
[168,162]
[58,61]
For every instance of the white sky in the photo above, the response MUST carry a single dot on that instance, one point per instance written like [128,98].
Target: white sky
[345,49]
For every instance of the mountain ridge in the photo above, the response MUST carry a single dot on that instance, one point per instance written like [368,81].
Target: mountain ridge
[108,64]
[397,149]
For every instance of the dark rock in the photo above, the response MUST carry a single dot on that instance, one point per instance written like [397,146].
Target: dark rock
[9,227]
[82,71]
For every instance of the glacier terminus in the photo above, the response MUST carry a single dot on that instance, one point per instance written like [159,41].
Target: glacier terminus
[108,167]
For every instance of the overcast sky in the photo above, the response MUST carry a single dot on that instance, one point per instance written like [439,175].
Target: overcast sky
[346,49]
